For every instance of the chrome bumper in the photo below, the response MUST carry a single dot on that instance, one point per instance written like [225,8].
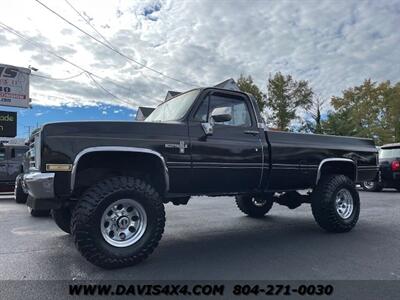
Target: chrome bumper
[39,185]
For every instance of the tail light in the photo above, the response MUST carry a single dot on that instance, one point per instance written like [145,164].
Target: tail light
[396,165]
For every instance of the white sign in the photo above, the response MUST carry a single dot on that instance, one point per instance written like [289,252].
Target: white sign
[14,86]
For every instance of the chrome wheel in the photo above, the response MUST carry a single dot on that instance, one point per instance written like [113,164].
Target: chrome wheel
[344,203]
[259,202]
[123,223]
[369,184]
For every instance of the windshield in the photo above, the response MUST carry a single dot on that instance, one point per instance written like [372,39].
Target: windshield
[173,109]
[389,153]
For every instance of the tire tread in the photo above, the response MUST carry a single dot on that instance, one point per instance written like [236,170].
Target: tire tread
[86,207]
[324,212]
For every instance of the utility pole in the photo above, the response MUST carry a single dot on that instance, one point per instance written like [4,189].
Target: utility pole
[29,130]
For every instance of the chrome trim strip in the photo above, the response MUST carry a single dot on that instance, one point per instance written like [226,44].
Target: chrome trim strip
[250,164]
[335,159]
[118,149]
[262,162]
[368,167]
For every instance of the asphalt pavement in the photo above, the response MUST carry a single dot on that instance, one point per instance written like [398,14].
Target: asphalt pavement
[211,239]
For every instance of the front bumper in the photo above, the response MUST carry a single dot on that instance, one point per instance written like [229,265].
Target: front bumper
[39,185]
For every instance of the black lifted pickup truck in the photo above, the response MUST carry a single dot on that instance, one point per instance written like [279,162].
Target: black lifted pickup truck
[107,182]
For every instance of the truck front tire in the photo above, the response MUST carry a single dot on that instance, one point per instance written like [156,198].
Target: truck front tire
[62,217]
[255,207]
[335,203]
[19,194]
[118,222]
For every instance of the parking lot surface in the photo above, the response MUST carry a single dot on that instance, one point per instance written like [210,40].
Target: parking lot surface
[211,239]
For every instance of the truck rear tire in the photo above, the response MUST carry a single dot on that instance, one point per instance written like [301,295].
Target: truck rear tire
[19,194]
[255,207]
[371,186]
[118,222]
[62,217]
[335,203]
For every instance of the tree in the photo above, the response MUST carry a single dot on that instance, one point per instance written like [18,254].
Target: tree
[392,105]
[247,85]
[285,97]
[369,110]
[315,112]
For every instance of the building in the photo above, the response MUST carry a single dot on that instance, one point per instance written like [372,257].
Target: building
[228,84]
[143,112]
[171,94]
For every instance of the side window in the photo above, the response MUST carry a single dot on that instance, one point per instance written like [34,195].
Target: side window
[20,153]
[239,110]
[202,112]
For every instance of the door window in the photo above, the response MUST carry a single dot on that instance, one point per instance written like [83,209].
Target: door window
[19,153]
[238,108]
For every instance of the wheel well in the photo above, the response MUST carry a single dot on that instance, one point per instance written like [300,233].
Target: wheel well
[347,168]
[95,166]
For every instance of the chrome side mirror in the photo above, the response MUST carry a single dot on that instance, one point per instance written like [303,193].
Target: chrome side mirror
[218,115]
[221,114]
[208,128]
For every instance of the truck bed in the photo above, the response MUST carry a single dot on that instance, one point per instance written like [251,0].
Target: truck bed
[302,153]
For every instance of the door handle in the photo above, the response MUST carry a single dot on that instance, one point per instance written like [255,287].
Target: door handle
[252,132]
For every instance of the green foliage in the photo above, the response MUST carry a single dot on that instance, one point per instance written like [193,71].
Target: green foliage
[370,110]
[314,125]
[285,97]
[247,85]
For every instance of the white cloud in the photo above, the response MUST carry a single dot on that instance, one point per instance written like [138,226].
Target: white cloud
[333,44]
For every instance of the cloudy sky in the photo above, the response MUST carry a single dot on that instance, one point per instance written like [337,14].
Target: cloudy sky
[333,44]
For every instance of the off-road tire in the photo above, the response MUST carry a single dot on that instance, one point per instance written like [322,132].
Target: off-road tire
[19,194]
[87,214]
[62,217]
[377,187]
[247,206]
[323,203]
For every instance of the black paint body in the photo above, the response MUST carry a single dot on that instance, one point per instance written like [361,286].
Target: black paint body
[233,160]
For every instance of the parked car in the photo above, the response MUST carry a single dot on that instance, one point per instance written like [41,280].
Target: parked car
[389,167]
[21,194]
[107,182]
[11,157]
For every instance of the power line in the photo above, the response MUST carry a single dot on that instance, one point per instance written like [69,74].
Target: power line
[15,32]
[57,79]
[111,48]
[90,24]
[90,76]
[104,89]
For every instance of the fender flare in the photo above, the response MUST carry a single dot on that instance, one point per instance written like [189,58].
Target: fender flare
[118,149]
[337,159]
